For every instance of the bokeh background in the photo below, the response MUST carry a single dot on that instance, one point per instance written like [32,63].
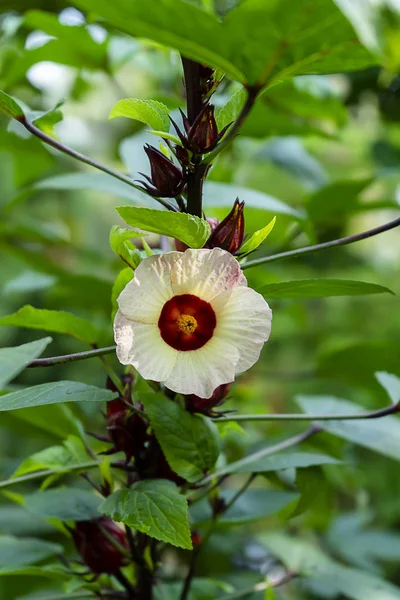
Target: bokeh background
[322,153]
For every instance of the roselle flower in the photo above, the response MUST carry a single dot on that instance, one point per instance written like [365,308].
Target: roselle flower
[205,405]
[127,430]
[229,234]
[166,178]
[189,320]
[98,552]
[202,136]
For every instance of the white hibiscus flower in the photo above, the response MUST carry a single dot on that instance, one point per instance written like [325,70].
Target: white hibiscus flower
[188,320]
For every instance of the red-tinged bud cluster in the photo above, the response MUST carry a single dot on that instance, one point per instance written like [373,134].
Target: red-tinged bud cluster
[181,247]
[166,178]
[92,541]
[196,538]
[127,430]
[205,406]
[229,234]
[202,136]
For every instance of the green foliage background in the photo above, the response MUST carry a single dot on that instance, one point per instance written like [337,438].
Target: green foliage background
[321,152]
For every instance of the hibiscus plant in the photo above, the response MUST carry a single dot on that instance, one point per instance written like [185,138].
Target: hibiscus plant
[152,469]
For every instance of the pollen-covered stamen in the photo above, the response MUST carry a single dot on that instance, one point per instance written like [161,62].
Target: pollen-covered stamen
[187,323]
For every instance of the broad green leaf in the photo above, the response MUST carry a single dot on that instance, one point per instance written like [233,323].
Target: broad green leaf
[189,229]
[9,107]
[224,194]
[72,452]
[253,505]
[308,38]
[154,507]
[51,572]
[25,551]
[391,384]
[14,360]
[66,504]
[257,238]
[334,202]
[52,320]
[306,559]
[190,442]
[289,460]
[151,112]
[120,242]
[320,288]
[231,109]
[54,393]
[57,420]
[380,435]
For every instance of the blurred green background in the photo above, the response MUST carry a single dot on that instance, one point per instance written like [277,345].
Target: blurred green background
[322,153]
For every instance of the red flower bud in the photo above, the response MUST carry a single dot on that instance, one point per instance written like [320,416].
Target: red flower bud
[97,552]
[205,405]
[203,135]
[127,430]
[166,178]
[230,232]
[196,538]
[181,247]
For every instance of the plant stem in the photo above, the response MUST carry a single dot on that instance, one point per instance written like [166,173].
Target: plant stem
[112,375]
[252,93]
[66,358]
[290,442]
[241,491]
[126,584]
[259,587]
[85,159]
[371,414]
[195,180]
[332,244]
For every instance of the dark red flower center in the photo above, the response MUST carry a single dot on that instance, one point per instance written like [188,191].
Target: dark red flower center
[186,322]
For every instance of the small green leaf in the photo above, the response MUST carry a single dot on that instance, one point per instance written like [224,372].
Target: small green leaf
[66,504]
[166,136]
[52,320]
[189,229]
[14,360]
[320,288]
[120,242]
[123,278]
[151,112]
[231,109]
[9,107]
[190,443]
[71,453]
[54,393]
[25,551]
[154,507]
[257,238]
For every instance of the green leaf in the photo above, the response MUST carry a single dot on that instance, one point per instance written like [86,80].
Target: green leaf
[25,551]
[54,393]
[332,203]
[52,320]
[320,288]
[14,360]
[120,242]
[73,452]
[257,238]
[289,460]
[190,443]
[189,229]
[154,507]
[391,383]
[122,280]
[379,435]
[308,560]
[66,504]
[9,107]
[166,136]
[231,109]
[253,505]
[151,112]
[308,38]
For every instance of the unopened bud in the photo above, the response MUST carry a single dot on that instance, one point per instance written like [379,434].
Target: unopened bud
[92,541]
[230,232]
[202,136]
[166,178]
[205,405]
[127,430]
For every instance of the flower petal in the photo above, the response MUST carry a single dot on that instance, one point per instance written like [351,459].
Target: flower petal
[141,345]
[206,273]
[201,371]
[144,296]
[245,322]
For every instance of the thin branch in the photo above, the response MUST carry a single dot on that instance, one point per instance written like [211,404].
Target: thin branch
[332,244]
[260,587]
[66,358]
[85,159]
[48,472]
[371,414]
[252,93]
[248,460]
[241,491]
[126,584]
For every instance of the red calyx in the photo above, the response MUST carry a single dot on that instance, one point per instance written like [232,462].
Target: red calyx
[127,430]
[205,406]
[97,552]
[166,178]
[202,136]
[229,234]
